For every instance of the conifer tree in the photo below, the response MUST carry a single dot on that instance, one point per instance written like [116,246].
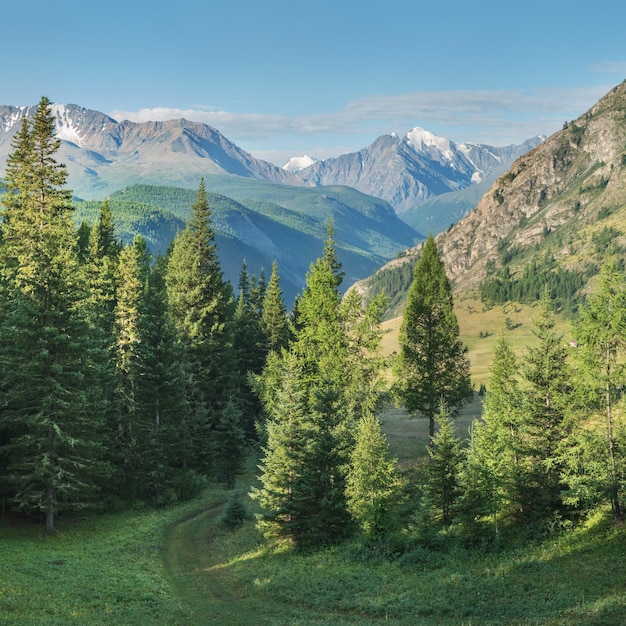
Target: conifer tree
[199,301]
[160,391]
[49,392]
[443,473]
[284,457]
[543,427]
[229,443]
[601,337]
[490,473]
[129,313]
[329,340]
[432,362]
[274,320]
[373,479]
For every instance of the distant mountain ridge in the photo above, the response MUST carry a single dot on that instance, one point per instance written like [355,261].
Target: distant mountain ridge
[560,207]
[103,155]
[408,170]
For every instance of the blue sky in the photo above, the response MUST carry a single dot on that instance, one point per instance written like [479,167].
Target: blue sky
[285,78]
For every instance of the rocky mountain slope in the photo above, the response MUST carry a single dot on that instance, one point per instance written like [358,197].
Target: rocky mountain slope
[408,170]
[103,155]
[564,201]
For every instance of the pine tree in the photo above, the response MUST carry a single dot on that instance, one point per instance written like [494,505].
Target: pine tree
[336,385]
[373,479]
[229,444]
[199,301]
[443,488]
[274,321]
[543,427]
[284,458]
[601,337]
[490,473]
[129,313]
[160,392]
[52,407]
[432,362]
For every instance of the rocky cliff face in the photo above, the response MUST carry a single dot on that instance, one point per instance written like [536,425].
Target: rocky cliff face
[566,181]
[552,199]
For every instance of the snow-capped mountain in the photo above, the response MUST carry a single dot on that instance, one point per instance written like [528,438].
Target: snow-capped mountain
[410,169]
[297,163]
[103,155]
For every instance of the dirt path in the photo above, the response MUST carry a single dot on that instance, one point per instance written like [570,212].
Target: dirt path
[188,559]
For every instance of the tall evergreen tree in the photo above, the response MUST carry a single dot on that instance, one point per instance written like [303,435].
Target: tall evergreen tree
[543,426]
[129,313]
[601,336]
[491,467]
[432,361]
[49,366]
[200,301]
[373,480]
[443,488]
[329,340]
[274,320]
[160,392]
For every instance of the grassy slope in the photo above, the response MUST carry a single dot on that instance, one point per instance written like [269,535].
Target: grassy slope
[181,567]
[474,318]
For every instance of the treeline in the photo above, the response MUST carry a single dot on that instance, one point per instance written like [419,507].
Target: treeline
[564,285]
[394,282]
[123,378]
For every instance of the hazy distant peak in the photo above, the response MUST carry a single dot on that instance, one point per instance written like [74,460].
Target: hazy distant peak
[296,164]
[422,140]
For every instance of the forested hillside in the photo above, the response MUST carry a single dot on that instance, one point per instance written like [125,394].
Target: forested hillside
[281,224]
[129,381]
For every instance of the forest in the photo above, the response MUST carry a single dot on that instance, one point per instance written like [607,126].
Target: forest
[129,380]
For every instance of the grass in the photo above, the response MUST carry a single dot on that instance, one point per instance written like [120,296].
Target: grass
[181,566]
[479,328]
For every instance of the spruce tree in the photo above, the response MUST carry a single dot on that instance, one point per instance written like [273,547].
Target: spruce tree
[373,480]
[129,313]
[160,392]
[50,396]
[443,488]
[327,363]
[274,320]
[600,369]
[491,468]
[432,362]
[229,444]
[543,426]
[199,301]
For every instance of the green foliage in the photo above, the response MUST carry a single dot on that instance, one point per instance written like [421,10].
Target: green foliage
[601,335]
[431,363]
[51,422]
[373,480]
[564,285]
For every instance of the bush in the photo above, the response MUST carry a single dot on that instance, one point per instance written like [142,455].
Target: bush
[189,484]
[235,514]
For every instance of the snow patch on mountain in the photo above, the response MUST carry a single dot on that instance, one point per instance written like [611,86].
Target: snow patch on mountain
[10,120]
[296,164]
[66,127]
[422,140]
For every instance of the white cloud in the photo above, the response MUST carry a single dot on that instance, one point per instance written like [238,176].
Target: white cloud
[610,67]
[496,117]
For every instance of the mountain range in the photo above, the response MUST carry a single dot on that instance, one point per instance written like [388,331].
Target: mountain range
[408,170]
[374,196]
[558,212]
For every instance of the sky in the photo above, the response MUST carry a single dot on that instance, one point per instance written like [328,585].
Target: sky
[322,78]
